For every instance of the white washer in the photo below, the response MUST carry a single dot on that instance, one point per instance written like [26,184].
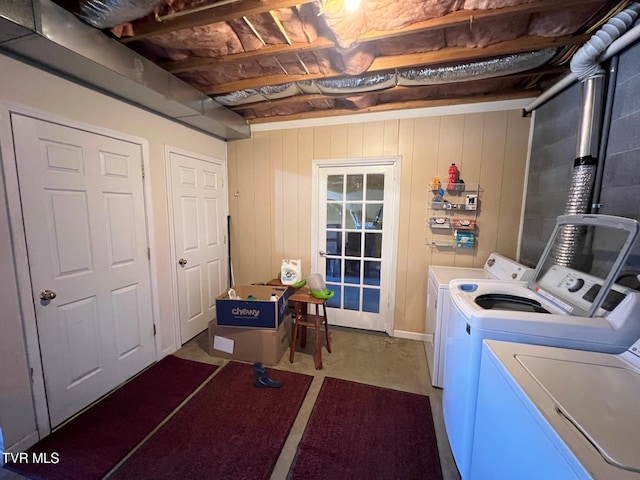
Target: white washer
[547,412]
[560,306]
[497,267]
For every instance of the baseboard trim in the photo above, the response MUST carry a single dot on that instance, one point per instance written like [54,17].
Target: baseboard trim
[422,337]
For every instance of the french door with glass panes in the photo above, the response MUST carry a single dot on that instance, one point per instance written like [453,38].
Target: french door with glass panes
[356,243]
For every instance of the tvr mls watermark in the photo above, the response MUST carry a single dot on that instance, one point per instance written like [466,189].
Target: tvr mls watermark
[33,457]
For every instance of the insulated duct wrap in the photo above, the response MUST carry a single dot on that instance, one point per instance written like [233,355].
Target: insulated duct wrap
[477,70]
[109,13]
[414,77]
[357,84]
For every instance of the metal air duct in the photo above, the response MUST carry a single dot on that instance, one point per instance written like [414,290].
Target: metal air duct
[586,67]
[45,34]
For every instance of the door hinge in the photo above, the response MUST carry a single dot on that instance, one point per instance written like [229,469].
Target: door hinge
[149,253]
[142,166]
[155,330]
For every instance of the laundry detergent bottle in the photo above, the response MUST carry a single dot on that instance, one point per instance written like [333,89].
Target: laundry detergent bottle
[291,272]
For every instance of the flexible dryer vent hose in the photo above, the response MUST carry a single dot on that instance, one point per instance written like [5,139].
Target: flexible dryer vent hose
[585,62]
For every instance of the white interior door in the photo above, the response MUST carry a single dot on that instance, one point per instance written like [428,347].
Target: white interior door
[356,243]
[199,199]
[83,207]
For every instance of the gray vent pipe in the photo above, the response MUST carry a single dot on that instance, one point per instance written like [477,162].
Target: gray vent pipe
[586,67]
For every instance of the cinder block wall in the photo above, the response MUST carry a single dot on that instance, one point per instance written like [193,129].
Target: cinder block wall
[553,151]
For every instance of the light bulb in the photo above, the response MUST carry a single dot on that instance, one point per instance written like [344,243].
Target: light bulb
[352,5]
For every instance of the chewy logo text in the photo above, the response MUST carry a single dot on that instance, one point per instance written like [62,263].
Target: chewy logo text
[244,312]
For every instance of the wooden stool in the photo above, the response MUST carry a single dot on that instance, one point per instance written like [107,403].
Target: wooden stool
[303,319]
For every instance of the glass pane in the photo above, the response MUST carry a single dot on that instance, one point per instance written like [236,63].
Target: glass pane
[335,187]
[352,247]
[374,216]
[371,300]
[334,242]
[333,270]
[375,186]
[334,215]
[373,245]
[351,298]
[372,273]
[335,300]
[354,216]
[352,271]
[354,187]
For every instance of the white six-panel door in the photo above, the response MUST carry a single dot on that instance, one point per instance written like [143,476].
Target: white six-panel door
[199,201]
[84,216]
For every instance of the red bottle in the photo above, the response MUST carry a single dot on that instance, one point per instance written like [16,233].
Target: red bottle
[454,176]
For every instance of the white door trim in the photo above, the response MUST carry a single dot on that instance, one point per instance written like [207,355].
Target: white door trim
[19,241]
[393,160]
[168,150]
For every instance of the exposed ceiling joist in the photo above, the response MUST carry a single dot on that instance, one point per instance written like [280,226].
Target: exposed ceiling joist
[459,100]
[249,54]
[461,17]
[149,26]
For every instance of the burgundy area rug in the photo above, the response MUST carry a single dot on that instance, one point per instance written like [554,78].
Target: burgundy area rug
[361,431]
[91,444]
[228,430]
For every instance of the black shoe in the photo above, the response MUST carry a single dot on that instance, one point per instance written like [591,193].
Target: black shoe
[263,381]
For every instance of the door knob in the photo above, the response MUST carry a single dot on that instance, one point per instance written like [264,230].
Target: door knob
[47,295]
[323,253]
[182,262]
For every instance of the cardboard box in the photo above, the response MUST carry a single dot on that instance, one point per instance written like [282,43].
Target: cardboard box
[266,345]
[258,313]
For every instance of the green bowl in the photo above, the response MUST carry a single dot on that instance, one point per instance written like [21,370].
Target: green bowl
[299,284]
[322,294]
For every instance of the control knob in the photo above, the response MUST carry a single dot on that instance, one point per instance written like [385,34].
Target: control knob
[574,284]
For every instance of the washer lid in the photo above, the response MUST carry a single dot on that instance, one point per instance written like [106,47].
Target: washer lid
[504,301]
[581,261]
[601,401]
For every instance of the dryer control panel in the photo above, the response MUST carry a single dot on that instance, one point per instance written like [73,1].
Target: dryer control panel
[569,288]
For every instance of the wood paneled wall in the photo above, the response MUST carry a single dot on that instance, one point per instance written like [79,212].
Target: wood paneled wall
[270,192]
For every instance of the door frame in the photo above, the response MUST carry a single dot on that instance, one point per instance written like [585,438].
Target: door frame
[19,241]
[391,160]
[168,150]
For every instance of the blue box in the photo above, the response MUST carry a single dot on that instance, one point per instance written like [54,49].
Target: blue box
[253,307]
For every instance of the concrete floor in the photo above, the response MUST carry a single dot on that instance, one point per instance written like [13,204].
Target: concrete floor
[366,357]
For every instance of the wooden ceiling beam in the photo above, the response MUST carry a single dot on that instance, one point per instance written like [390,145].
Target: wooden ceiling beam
[442,102]
[149,26]
[460,17]
[468,17]
[456,55]
[199,63]
[426,59]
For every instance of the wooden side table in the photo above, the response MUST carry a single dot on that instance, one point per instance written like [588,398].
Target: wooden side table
[303,319]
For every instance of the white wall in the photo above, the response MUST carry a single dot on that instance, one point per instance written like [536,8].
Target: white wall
[27,86]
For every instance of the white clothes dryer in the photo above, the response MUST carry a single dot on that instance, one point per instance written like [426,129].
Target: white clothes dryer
[574,306]
[546,412]
[497,267]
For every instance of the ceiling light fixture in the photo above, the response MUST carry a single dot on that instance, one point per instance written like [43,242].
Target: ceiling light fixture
[352,5]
